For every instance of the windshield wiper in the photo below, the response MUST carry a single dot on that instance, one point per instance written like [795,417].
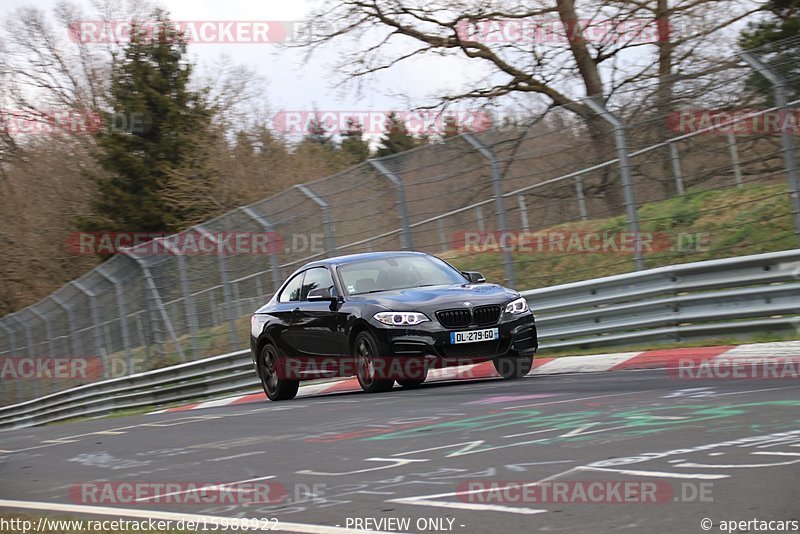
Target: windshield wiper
[395,289]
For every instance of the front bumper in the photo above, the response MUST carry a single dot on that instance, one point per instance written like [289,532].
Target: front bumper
[433,340]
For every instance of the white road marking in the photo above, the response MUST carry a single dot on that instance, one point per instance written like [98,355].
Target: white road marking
[736,466]
[745,392]
[224,458]
[656,474]
[282,526]
[469,506]
[521,467]
[213,486]
[428,500]
[395,462]
[469,446]
[691,392]
[536,432]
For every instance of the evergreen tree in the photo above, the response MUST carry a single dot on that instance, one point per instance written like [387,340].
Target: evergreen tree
[353,144]
[316,134]
[396,137]
[771,37]
[150,87]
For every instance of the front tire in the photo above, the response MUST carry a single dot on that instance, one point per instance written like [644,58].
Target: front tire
[512,366]
[414,383]
[277,389]
[365,350]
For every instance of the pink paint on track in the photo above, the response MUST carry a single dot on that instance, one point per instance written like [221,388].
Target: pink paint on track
[662,358]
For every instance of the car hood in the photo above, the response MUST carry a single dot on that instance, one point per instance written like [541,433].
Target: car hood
[438,297]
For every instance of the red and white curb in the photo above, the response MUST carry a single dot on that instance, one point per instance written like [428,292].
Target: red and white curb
[651,359]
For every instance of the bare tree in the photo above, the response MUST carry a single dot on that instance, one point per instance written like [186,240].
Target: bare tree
[557,51]
[522,50]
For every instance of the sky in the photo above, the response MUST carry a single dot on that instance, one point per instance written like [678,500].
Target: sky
[292,83]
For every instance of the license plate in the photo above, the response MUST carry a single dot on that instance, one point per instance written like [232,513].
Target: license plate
[473,336]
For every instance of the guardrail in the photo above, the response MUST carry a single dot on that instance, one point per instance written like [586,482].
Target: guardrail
[678,303]
[675,303]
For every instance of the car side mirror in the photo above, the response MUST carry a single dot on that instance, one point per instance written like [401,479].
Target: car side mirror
[321,294]
[474,277]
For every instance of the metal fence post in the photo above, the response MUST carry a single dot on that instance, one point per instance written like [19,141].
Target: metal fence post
[401,199]
[29,340]
[77,348]
[787,137]
[621,141]
[222,259]
[273,257]
[48,331]
[581,198]
[121,312]
[159,304]
[95,311]
[12,338]
[188,298]
[676,168]
[737,171]
[499,199]
[330,246]
[523,212]
[28,334]
[479,220]
[442,236]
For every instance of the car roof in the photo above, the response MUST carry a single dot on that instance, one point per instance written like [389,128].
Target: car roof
[341,260]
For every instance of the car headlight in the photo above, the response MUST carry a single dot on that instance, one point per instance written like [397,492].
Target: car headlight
[400,318]
[517,306]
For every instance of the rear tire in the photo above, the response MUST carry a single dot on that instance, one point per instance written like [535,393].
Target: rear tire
[365,350]
[277,389]
[512,366]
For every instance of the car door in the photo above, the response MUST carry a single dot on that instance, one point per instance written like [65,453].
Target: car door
[318,327]
[285,311]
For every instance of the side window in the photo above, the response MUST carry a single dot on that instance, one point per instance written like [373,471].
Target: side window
[315,278]
[292,290]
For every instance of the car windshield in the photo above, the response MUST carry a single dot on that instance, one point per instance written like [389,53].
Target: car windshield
[397,272]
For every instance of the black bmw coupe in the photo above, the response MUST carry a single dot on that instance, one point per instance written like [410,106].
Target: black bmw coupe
[387,317]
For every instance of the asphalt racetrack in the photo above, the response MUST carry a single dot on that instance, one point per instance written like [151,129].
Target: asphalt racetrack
[636,451]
